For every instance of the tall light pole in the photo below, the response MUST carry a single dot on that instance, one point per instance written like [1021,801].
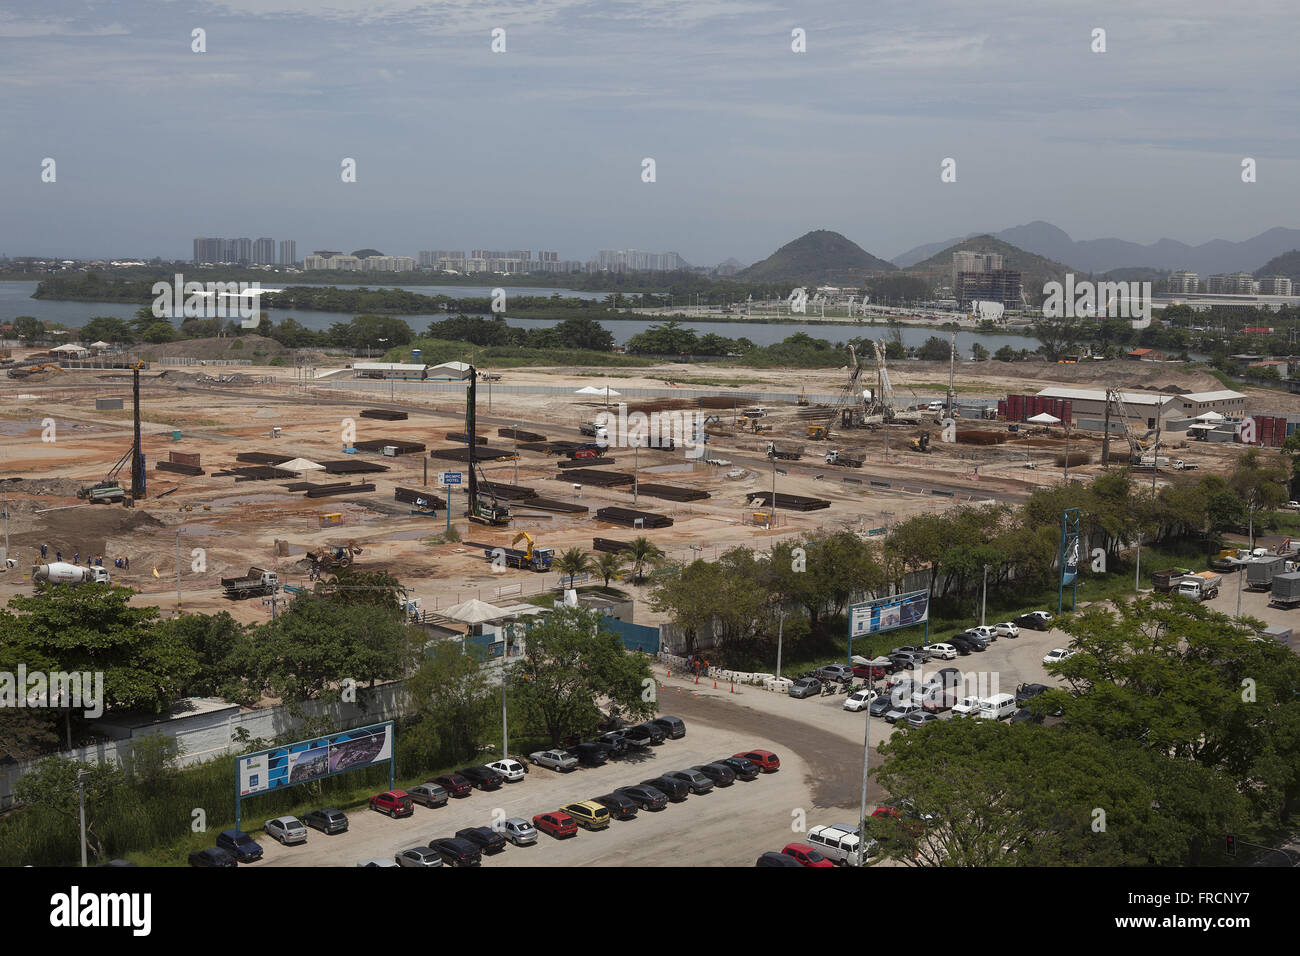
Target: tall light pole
[862,815]
[1137,573]
[81,810]
[1240,569]
[780,633]
[516,454]
[984,590]
[636,457]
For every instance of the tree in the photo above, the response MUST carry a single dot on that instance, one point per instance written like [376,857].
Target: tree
[583,333]
[158,332]
[105,328]
[1005,354]
[609,565]
[1056,337]
[573,562]
[979,353]
[640,552]
[569,665]
[29,329]
[454,706]
[50,788]
[935,349]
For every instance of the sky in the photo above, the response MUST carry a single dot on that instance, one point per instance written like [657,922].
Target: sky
[542,146]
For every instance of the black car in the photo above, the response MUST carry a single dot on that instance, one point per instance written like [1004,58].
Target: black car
[485,838]
[1033,621]
[484,778]
[637,738]
[326,820]
[967,642]
[238,843]
[646,797]
[1029,691]
[612,722]
[1025,716]
[881,705]
[620,807]
[722,776]
[457,852]
[615,740]
[591,754]
[960,645]
[213,856]
[772,858]
[657,735]
[675,790]
[742,768]
[674,727]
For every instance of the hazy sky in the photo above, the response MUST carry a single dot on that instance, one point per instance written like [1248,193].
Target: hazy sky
[541,146]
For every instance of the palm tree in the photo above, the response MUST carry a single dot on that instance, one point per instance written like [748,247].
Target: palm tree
[573,562]
[642,551]
[609,565]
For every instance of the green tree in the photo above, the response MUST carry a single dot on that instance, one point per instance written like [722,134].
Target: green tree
[50,788]
[29,329]
[573,562]
[452,704]
[609,565]
[640,552]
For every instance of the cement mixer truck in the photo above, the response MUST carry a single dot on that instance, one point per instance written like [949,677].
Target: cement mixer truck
[63,573]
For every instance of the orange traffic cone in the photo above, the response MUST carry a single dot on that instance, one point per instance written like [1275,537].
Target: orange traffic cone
[733,686]
[697,678]
[715,685]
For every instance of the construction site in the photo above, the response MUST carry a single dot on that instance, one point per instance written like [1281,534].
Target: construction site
[202,492]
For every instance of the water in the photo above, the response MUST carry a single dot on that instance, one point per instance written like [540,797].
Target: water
[15,300]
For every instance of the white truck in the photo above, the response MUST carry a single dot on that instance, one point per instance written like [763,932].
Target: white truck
[63,573]
[1200,587]
[256,581]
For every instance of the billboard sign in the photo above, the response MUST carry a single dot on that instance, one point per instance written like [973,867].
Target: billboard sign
[886,614]
[446,478]
[309,760]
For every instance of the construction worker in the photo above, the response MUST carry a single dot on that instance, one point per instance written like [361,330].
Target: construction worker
[128,563]
[58,555]
[42,552]
[76,556]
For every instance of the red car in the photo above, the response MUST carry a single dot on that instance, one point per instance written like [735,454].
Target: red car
[806,855]
[913,827]
[767,761]
[871,671]
[557,824]
[454,784]
[395,803]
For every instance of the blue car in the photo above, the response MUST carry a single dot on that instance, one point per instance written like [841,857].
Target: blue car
[239,845]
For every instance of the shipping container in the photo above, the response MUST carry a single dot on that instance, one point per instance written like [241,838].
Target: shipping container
[1286,588]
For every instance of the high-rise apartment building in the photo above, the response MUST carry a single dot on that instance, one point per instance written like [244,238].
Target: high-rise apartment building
[1275,285]
[996,285]
[974,262]
[1182,283]
[264,252]
[1238,283]
[288,252]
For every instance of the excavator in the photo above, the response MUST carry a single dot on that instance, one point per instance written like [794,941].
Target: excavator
[921,442]
[333,556]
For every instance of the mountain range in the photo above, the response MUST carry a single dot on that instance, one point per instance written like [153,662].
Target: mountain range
[1103,255]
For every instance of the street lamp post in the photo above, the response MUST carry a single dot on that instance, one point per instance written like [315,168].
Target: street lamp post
[1137,572]
[81,811]
[984,591]
[780,633]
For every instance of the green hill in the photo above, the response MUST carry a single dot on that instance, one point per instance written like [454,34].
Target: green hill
[1035,270]
[818,258]
[1287,264]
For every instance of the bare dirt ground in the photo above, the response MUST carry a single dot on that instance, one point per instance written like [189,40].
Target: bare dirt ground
[52,436]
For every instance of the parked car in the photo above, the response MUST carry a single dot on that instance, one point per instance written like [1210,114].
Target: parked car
[967,643]
[428,795]
[997,707]
[620,807]
[213,856]
[675,790]
[920,719]
[519,831]
[457,852]
[1007,629]
[906,660]
[485,838]
[960,645]
[978,641]
[1025,716]
[646,797]
[859,700]
[838,842]
[873,672]
[772,858]
[966,707]
[454,783]
[766,761]
[916,650]
[590,754]
[943,652]
[902,712]
[483,778]
[805,687]
[587,814]
[1057,654]
[698,783]
[512,770]
[834,672]
[555,759]
[743,768]
[880,706]
[521,760]
[611,722]
[616,740]
[418,856]
[638,738]
[395,803]
[1035,620]
[720,774]
[910,823]
[240,845]
[657,734]
[557,824]
[673,727]
[326,820]
[986,631]
[287,830]
[1028,692]
[805,855]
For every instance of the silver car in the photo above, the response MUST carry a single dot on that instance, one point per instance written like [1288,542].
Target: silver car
[693,779]
[287,830]
[902,712]
[518,831]
[419,856]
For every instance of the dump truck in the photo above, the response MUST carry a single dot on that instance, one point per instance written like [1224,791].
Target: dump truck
[591,429]
[781,453]
[63,573]
[256,581]
[1260,571]
[1286,590]
[1200,587]
[1162,582]
[836,458]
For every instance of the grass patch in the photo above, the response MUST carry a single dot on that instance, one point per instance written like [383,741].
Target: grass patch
[437,351]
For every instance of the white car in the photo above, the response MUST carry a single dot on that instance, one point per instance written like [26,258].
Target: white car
[944,652]
[989,634]
[1006,629]
[860,701]
[512,770]
[518,831]
[966,707]
[286,829]
[1056,655]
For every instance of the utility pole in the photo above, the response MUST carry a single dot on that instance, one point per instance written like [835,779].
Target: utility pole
[178,570]
[6,507]
[862,815]
[516,449]
[780,633]
[984,593]
[774,486]
[1137,573]
[636,458]
[1240,569]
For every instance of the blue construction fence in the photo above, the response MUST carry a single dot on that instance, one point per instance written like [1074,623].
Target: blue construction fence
[636,637]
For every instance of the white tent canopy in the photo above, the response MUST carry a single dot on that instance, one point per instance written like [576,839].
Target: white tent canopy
[1043,419]
[69,347]
[1210,417]
[299,465]
[101,344]
[475,611]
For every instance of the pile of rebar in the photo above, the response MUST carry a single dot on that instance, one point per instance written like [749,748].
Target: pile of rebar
[630,517]
[262,458]
[384,413]
[379,444]
[463,437]
[350,466]
[786,502]
[550,504]
[594,476]
[508,492]
[520,435]
[671,492]
[585,462]
[480,454]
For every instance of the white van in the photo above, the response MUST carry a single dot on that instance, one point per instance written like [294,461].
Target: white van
[838,842]
[997,707]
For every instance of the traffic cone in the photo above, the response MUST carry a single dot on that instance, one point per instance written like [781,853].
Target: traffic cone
[733,686]
[697,678]
[715,685]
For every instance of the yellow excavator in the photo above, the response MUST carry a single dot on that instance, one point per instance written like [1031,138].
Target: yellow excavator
[819,432]
[921,442]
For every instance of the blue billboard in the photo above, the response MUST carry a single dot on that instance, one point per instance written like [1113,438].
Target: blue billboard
[886,614]
[313,759]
